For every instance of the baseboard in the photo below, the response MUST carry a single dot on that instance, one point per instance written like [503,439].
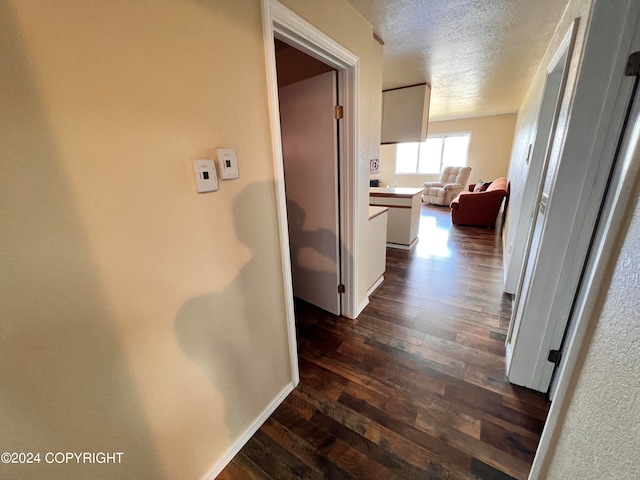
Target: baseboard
[401,246]
[244,438]
[507,356]
[362,306]
[375,286]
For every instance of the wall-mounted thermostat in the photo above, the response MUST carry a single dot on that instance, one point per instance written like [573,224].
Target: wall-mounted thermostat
[204,173]
[228,163]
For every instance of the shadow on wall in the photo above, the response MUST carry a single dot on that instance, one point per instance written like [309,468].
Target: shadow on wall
[65,383]
[314,259]
[238,337]
[320,240]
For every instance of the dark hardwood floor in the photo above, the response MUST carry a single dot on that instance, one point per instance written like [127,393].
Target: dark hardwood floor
[414,388]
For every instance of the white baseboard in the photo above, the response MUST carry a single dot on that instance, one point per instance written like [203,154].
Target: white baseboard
[375,286]
[362,306]
[507,356]
[244,438]
[401,246]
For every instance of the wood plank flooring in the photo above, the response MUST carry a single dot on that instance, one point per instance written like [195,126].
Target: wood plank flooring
[414,388]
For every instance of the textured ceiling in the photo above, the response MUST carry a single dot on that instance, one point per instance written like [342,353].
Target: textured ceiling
[478,55]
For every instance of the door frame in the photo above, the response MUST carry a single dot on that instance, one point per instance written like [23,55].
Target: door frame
[280,22]
[538,161]
[547,125]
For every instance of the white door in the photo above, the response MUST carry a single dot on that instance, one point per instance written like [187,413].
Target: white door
[521,370]
[523,223]
[309,150]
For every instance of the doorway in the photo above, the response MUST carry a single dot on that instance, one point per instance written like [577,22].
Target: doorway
[308,93]
[538,162]
[284,25]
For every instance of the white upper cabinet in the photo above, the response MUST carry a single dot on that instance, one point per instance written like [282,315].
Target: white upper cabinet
[405,114]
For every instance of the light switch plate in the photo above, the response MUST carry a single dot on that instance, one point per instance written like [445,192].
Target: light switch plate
[228,163]
[205,175]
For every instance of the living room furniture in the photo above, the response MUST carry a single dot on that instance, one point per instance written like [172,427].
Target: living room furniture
[452,182]
[376,247]
[479,208]
[404,214]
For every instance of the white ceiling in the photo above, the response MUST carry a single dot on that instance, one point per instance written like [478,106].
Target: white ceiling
[478,55]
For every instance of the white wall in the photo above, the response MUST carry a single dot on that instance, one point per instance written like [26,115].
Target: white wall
[489,150]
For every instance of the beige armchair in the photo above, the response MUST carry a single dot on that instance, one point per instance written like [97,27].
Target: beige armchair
[452,181]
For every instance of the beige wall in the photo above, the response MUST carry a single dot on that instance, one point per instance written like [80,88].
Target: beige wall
[600,436]
[489,150]
[139,316]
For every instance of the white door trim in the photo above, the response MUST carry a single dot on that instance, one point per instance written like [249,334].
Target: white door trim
[282,23]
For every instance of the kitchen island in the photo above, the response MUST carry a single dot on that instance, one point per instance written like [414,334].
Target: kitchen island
[404,214]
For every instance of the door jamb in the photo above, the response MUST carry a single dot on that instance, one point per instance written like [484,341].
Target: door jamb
[282,23]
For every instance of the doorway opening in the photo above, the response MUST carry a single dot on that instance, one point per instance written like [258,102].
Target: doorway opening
[285,26]
[538,161]
[308,95]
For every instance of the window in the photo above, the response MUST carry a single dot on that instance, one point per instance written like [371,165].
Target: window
[430,156]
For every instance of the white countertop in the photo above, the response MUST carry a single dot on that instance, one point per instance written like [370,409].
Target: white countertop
[394,192]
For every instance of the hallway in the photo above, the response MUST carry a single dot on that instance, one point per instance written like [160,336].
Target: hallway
[415,387]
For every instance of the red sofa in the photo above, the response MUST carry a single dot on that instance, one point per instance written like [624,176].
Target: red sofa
[479,208]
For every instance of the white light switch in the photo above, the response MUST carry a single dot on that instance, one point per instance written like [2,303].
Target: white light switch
[228,163]
[204,173]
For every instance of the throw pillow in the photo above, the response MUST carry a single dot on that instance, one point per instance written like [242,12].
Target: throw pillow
[481,186]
